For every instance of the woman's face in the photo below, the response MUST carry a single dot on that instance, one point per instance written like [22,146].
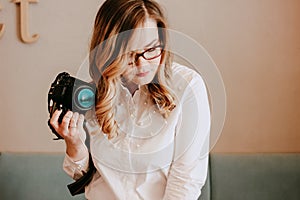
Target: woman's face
[144,54]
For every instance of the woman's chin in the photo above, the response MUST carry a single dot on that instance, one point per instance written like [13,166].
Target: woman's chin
[143,80]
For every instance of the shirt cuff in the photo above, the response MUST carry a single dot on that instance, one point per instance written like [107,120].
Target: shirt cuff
[75,169]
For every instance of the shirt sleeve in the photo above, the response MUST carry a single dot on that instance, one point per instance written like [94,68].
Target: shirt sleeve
[188,170]
[75,169]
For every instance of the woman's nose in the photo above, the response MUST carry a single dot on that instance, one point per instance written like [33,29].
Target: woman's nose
[140,61]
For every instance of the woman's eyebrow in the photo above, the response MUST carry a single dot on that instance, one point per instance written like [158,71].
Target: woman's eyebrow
[151,43]
[147,46]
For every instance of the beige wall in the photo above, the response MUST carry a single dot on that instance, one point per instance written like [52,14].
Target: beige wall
[255,43]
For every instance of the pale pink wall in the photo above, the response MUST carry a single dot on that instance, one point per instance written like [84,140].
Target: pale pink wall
[255,44]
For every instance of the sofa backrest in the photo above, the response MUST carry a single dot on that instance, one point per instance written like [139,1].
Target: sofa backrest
[33,176]
[255,176]
[206,190]
[28,176]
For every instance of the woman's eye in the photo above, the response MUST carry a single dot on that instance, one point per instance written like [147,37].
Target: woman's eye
[130,55]
[151,50]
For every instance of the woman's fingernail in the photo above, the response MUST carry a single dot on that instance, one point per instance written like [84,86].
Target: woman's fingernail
[69,114]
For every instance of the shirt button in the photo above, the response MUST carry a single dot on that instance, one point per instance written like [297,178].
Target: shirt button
[140,123]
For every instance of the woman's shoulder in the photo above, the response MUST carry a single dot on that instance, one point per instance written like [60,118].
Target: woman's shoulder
[185,81]
[183,71]
[184,77]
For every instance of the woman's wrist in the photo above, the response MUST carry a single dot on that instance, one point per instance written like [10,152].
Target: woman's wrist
[76,152]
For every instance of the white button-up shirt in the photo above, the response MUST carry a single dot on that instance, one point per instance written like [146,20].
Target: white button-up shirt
[152,157]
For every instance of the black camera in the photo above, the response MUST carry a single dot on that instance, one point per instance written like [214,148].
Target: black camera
[69,93]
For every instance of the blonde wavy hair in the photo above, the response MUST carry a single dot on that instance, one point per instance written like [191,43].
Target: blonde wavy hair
[114,25]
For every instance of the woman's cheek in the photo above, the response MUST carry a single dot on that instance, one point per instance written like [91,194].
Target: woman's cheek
[129,73]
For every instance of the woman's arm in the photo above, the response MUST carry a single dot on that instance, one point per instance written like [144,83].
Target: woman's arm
[71,129]
[188,170]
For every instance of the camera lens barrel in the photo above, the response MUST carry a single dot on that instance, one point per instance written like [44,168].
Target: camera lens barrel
[83,98]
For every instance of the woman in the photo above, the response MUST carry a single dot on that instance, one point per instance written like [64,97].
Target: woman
[151,120]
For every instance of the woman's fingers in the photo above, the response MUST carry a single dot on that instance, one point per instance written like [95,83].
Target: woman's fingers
[66,120]
[70,126]
[80,120]
[74,119]
[54,119]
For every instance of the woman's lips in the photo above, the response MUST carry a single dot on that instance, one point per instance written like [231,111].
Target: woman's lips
[142,74]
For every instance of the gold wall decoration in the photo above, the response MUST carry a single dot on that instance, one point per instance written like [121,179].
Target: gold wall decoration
[2,27]
[24,27]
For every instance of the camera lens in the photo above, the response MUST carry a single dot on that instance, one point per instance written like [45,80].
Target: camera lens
[85,98]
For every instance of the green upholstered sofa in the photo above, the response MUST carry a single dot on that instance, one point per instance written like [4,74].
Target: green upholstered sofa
[30,176]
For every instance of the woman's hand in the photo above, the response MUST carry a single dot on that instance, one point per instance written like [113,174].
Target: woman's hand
[71,129]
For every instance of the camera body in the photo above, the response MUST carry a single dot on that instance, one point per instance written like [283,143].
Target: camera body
[69,93]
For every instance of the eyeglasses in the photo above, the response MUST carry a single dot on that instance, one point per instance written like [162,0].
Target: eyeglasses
[148,54]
